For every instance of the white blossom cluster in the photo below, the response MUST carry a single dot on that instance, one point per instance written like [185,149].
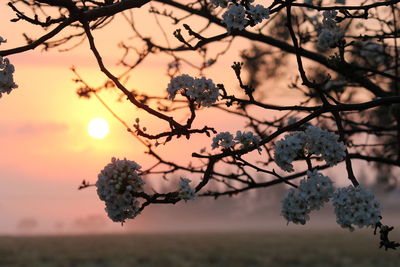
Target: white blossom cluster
[179,83]
[295,208]
[356,206]
[258,13]
[330,33]
[288,149]
[245,139]
[203,91]
[324,143]
[312,193]
[7,83]
[316,189]
[221,3]
[224,140]
[115,185]
[313,140]
[238,17]
[186,192]
[373,53]
[235,17]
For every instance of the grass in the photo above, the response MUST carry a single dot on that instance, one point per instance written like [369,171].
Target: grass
[293,248]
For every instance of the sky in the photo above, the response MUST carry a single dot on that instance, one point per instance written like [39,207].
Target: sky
[46,151]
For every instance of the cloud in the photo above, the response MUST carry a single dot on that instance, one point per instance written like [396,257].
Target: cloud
[30,128]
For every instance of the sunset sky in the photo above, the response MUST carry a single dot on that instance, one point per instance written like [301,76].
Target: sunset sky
[45,149]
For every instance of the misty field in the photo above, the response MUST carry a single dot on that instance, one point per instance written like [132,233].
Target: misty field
[295,248]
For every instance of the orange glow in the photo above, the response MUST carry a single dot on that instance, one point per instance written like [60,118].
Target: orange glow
[98,128]
[46,151]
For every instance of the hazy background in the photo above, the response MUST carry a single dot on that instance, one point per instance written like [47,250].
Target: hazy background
[46,151]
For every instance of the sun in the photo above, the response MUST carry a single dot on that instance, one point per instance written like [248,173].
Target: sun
[98,128]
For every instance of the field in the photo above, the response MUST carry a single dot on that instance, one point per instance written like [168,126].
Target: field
[297,248]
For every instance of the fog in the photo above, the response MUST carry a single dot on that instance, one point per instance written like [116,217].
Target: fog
[252,211]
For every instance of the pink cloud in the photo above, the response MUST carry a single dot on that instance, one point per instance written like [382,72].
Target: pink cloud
[28,128]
